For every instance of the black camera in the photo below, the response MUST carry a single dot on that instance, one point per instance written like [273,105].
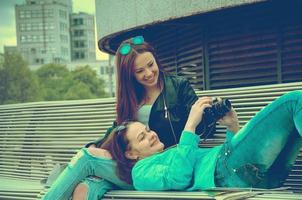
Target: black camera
[217,111]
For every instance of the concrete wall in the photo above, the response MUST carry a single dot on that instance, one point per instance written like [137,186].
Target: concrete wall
[119,15]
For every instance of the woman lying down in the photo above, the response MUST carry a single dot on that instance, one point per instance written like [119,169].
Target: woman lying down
[259,155]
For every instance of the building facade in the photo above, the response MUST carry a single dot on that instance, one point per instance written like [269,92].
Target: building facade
[42,28]
[48,32]
[82,37]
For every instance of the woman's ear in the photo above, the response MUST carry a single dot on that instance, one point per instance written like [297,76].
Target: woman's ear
[131,155]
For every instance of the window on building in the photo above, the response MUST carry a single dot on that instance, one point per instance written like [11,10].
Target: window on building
[48,13]
[82,55]
[49,38]
[49,26]
[64,38]
[29,38]
[36,13]
[65,51]
[57,60]
[27,14]
[35,38]
[40,26]
[77,21]
[79,55]
[63,14]
[78,33]
[22,14]
[28,26]
[40,38]
[22,27]
[76,44]
[23,38]
[74,21]
[33,50]
[81,43]
[63,26]
[81,21]
[76,55]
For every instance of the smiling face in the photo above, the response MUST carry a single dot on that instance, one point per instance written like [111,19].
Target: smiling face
[146,70]
[142,141]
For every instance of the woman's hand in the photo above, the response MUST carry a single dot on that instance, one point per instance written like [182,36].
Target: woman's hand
[196,113]
[230,120]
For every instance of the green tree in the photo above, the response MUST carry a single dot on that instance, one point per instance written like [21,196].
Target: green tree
[17,82]
[88,77]
[61,84]
[79,91]
[53,79]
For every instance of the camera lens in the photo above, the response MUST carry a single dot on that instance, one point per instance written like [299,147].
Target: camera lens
[226,106]
[217,111]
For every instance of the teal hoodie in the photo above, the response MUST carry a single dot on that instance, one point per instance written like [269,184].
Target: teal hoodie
[183,167]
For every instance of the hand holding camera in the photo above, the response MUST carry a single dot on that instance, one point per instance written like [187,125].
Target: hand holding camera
[223,112]
[218,110]
[210,110]
[196,113]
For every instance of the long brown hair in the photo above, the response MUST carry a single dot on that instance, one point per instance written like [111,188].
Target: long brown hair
[129,92]
[117,144]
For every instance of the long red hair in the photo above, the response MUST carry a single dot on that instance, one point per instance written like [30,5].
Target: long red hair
[117,144]
[129,92]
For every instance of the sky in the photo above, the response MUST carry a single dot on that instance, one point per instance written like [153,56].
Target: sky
[8,26]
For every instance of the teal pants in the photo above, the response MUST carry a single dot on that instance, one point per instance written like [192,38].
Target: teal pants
[79,170]
[263,152]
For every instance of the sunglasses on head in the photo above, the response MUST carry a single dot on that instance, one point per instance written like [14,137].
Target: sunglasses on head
[120,128]
[126,47]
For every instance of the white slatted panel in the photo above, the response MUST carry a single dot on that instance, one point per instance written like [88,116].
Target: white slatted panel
[35,136]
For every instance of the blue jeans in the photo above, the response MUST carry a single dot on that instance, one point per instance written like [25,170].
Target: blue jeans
[83,165]
[262,153]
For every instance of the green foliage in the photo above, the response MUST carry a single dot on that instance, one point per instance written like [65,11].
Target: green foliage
[60,84]
[53,79]
[79,91]
[88,77]
[50,82]
[17,82]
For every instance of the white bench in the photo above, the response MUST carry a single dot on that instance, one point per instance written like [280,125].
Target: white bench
[36,136]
